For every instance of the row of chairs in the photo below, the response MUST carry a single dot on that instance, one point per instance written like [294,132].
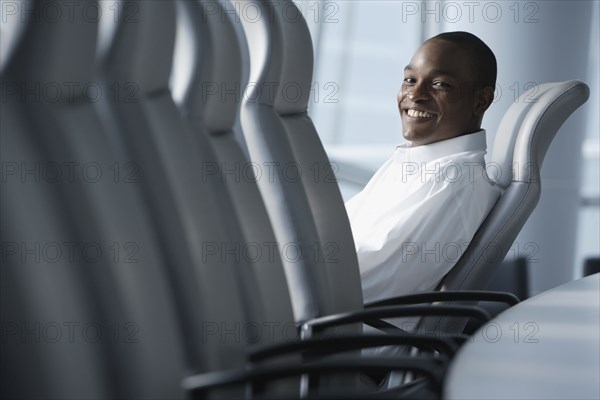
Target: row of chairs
[148,252]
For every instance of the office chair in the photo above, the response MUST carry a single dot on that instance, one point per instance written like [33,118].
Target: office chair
[37,291]
[212,113]
[522,140]
[303,199]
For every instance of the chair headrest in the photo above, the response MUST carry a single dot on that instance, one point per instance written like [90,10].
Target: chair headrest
[57,48]
[141,52]
[281,54]
[215,91]
[541,125]
[508,130]
[528,127]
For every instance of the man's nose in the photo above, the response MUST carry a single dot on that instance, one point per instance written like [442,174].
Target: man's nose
[418,92]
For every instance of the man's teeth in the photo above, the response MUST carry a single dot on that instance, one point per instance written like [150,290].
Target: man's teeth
[420,114]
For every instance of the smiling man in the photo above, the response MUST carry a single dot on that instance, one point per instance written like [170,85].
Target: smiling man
[416,216]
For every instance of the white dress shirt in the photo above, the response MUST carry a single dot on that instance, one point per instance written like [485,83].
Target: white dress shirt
[416,216]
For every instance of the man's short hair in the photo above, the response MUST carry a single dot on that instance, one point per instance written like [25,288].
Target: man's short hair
[484,60]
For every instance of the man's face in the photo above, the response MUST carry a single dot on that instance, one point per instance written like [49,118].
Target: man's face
[437,100]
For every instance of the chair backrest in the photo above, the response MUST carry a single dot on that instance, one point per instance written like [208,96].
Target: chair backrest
[119,288]
[507,133]
[521,143]
[211,104]
[171,163]
[42,292]
[302,198]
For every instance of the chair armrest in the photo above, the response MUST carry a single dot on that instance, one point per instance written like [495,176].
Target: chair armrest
[197,385]
[338,343]
[449,295]
[391,312]
[391,329]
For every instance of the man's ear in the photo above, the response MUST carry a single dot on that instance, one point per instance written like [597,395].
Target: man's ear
[483,100]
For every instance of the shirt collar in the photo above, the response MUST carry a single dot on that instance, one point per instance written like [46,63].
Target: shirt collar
[471,142]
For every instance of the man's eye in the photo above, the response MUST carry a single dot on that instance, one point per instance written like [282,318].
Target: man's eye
[440,84]
[409,81]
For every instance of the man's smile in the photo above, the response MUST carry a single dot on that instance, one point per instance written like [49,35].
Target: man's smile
[418,114]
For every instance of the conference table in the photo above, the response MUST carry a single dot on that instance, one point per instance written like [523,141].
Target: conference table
[546,347]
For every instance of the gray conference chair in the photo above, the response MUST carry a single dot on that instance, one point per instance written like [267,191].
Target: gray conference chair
[102,289]
[522,140]
[303,199]
[518,153]
[42,294]
[211,105]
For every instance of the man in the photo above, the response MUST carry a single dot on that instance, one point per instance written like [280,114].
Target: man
[415,217]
